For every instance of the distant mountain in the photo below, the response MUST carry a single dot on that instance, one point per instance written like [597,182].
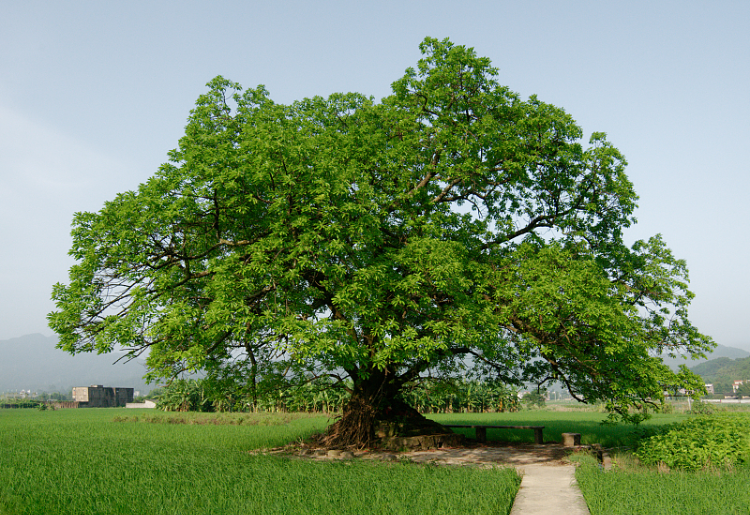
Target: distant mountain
[721,351]
[33,362]
[724,370]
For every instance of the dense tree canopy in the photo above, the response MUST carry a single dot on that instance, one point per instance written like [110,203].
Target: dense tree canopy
[450,228]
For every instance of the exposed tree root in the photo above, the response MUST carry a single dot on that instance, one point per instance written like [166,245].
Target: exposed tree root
[363,425]
[355,427]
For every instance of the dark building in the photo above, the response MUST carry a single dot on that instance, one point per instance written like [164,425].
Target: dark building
[98,396]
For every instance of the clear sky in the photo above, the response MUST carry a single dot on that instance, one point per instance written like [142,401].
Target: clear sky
[93,94]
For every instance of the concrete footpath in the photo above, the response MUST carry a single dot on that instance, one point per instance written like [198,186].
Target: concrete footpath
[549,490]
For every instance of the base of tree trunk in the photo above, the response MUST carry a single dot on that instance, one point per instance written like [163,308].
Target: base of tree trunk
[396,427]
[420,442]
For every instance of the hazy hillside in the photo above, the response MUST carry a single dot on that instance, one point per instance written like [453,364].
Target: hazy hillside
[721,351]
[33,363]
[724,370]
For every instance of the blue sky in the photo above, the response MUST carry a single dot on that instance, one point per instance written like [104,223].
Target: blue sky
[94,94]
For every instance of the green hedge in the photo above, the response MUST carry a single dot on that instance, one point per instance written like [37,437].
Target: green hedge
[713,441]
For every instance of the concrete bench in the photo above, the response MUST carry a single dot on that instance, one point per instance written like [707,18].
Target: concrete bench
[481,431]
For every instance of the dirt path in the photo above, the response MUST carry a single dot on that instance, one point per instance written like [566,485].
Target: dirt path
[517,455]
[483,455]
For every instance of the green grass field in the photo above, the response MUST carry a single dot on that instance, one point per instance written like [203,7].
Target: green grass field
[648,492]
[587,423]
[117,461]
[708,488]
[84,462]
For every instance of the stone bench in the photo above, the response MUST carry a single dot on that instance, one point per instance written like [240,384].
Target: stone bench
[571,439]
[481,431]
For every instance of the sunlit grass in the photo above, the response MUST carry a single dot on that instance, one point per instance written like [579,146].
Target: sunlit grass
[85,462]
[642,491]
[633,488]
[117,461]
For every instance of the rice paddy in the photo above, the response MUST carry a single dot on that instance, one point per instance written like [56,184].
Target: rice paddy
[85,462]
[118,461]
[637,491]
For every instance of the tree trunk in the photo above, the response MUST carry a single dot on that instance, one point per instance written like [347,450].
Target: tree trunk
[374,414]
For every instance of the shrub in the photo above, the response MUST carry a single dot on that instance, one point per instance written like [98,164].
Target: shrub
[533,399]
[666,408]
[721,440]
[702,408]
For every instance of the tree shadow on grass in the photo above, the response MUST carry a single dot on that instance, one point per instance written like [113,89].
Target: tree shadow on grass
[588,425]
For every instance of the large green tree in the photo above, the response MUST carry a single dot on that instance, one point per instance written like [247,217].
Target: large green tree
[450,226]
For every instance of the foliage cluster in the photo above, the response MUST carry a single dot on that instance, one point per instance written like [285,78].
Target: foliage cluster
[205,395]
[451,225]
[744,389]
[208,395]
[10,403]
[702,408]
[533,399]
[41,401]
[464,396]
[715,441]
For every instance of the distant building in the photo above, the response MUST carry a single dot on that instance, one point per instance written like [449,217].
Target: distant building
[736,385]
[144,404]
[709,388]
[99,396]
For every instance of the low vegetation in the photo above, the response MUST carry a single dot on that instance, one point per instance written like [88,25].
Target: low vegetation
[697,466]
[19,403]
[719,441]
[83,462]
[113,461]
[646,491]
[216,419]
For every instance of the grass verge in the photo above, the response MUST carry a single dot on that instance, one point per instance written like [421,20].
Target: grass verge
[648,492]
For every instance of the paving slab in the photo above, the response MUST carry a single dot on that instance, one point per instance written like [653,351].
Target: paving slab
[549,490]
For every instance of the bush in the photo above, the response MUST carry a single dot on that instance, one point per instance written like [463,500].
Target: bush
[720,441]
[702,408]
[666,408]
[533,399]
